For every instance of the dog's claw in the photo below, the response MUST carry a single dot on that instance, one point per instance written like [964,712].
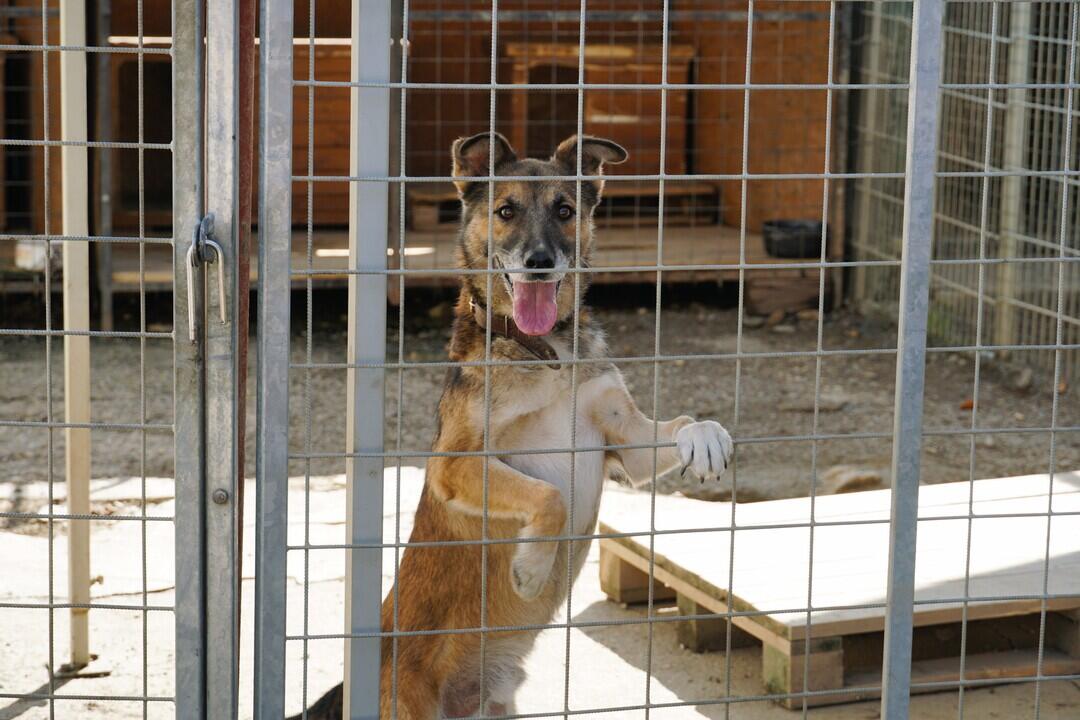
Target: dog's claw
[705,448]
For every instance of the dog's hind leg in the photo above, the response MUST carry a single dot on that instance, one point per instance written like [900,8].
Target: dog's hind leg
[504,688]
[461,695]
[511,494]
[416,698]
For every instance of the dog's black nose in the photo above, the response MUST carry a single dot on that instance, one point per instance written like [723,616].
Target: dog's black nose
[539,260]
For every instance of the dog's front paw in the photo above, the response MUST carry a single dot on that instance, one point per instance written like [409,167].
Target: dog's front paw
[705,448]
[531,568]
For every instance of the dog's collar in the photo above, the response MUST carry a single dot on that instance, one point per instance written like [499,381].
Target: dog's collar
[506,327]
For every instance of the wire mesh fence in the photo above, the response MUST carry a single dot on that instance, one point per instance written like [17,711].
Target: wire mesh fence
[393,504]
[1006,108]
[89,598]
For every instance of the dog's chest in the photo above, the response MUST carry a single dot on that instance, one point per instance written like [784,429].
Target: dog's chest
[550,428]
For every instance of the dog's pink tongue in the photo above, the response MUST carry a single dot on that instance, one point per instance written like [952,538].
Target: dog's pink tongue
[535,309]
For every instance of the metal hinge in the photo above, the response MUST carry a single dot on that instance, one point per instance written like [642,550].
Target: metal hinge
[204,250]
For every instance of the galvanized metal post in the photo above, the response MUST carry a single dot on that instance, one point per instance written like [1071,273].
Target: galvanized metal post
[924,98]
[369,154]
[187,120]
[223,474]
[272,439]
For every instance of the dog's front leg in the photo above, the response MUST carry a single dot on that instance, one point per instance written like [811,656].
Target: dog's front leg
[458,481]
[704,448]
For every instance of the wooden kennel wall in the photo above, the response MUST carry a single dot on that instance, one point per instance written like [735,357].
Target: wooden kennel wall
[450,43]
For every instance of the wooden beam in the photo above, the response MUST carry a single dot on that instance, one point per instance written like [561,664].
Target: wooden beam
[626,584]
[704,635]
[785,672]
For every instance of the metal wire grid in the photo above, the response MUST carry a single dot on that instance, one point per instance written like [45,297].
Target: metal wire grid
[46,234]
[980,173]
[1028,99]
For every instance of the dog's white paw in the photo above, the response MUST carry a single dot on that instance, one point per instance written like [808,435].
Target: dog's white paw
[705,448]
[531,568]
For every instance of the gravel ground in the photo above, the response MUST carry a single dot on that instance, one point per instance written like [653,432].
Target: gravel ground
[775,399]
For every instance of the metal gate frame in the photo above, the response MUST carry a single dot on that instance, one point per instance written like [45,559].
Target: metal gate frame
[206,313]
[924,102]
[370,179]
[189,436]
[370,108]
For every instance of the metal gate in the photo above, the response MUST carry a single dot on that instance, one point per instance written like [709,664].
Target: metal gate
[196,346]
[379,31]
[380,95]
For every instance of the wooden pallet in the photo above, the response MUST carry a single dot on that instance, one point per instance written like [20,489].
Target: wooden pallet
[434,206]
[770,580]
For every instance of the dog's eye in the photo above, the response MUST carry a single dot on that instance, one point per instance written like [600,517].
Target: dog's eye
[565,212]
[506,212]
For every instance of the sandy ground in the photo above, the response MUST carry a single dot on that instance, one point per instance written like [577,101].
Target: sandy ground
[606,663]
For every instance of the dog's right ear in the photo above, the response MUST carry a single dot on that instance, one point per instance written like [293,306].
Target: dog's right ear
[472,156]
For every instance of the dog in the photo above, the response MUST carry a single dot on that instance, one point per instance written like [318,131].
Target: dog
[533,228]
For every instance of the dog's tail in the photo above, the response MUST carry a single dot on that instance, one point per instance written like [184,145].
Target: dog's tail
[328,707]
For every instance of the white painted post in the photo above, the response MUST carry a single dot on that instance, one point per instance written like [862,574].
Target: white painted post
[369,154]
[76,290]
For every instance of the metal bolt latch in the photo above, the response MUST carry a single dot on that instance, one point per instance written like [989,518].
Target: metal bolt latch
[204,250]
[220,496]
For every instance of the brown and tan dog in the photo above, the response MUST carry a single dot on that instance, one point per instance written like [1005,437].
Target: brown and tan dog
[533,231]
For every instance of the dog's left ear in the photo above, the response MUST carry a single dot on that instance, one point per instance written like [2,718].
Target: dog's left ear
[595,152]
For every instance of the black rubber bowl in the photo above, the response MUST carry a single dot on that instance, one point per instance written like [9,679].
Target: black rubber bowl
[792,238]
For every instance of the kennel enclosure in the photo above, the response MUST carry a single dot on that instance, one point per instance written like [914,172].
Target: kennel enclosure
[933,142]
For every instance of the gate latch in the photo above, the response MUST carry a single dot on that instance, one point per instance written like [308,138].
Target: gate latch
[204,250]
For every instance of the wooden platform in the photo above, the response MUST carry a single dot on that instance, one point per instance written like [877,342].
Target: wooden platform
[770,578]
[432,253]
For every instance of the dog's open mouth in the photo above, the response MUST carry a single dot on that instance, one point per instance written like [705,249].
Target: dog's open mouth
[536,307]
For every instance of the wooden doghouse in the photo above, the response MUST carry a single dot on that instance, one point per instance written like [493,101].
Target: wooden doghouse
[540,119]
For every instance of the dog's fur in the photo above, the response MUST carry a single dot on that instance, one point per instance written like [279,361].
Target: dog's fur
[526,496]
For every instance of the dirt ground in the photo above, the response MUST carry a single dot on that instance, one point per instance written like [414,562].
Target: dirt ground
[775,398]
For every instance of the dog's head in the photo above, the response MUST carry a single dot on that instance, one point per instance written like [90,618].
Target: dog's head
[532,225]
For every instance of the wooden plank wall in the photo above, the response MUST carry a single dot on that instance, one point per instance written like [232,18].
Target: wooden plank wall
[28,31]
[787,127]
[450,42]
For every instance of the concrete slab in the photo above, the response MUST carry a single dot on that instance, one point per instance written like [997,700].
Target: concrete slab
[607,665]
